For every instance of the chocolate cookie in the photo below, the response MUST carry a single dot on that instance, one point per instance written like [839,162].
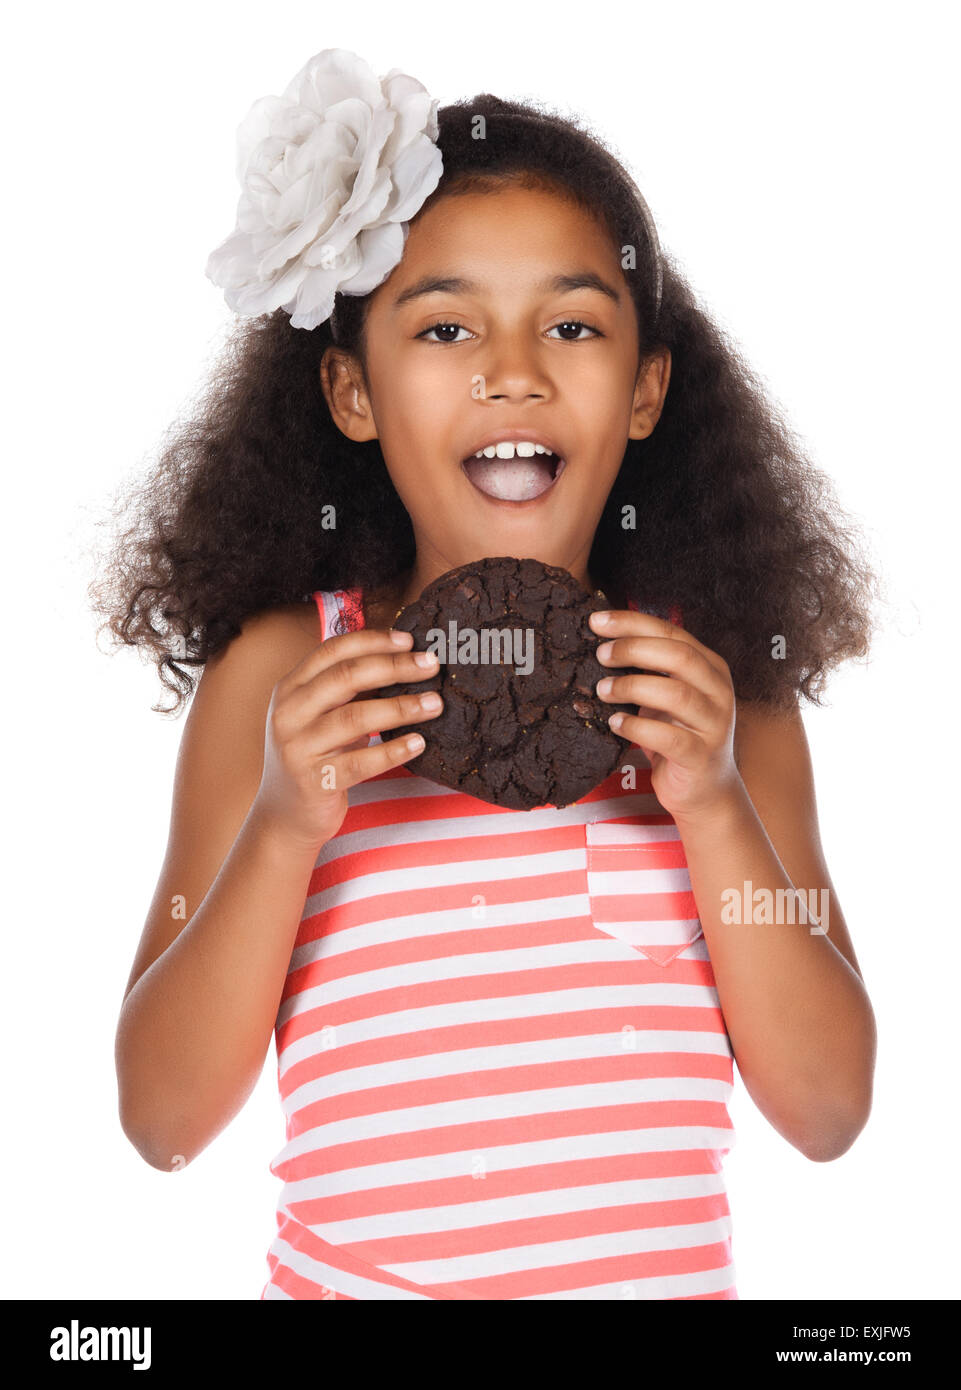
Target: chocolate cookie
[522,725]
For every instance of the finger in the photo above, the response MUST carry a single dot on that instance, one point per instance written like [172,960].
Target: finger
[361,718]
[349,766]
[344,644]
[339,684]
[671,658]
[626,622]
[681,745]
[674,697]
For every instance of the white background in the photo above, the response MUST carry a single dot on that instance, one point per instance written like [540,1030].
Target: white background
[800,161]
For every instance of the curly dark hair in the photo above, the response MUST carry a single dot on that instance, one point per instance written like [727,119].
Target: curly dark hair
[734,523]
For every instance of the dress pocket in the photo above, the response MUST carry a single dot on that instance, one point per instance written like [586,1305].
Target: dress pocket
[640,889]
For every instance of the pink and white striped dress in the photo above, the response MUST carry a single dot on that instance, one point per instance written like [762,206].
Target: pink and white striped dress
[500,1053]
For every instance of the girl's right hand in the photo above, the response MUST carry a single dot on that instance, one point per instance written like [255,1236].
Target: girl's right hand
[316,737]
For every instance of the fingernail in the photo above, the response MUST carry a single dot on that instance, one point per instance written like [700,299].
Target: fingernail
[604,650]
[401,639]
[415,742]
[425,658]
[616,720]
[602,618]
[604,686]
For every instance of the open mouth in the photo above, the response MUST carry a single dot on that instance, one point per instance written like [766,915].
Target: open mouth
[516,479]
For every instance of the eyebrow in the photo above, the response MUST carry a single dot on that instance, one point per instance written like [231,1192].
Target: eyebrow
[455,284]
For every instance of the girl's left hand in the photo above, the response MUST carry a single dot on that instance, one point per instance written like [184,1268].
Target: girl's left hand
[689,741]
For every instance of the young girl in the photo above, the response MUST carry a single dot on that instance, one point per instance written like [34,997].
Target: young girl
[505,1040]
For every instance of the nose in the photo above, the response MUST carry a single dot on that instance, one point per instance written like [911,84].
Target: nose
[515,373]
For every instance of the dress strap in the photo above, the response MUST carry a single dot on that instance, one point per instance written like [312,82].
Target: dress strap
[339,610]
[673,612]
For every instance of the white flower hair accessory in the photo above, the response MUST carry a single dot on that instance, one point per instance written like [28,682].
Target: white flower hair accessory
[331,173]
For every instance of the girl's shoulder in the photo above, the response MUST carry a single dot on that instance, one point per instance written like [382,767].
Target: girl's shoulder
[268,645]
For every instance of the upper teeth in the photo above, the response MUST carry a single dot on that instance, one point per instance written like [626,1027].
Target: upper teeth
[506,450]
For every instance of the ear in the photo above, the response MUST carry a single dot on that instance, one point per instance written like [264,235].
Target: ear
[345,390]
[649,393]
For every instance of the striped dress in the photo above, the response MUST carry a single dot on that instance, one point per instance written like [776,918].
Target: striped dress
[500,1052]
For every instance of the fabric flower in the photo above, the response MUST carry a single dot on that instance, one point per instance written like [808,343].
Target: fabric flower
[331,173]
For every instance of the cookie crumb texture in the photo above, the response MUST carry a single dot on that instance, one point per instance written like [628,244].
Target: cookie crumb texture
[517,741]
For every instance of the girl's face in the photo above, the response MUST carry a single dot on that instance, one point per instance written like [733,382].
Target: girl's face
[514,350]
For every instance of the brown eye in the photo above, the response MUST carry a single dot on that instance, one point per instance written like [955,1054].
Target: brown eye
[437,327]
[576,324]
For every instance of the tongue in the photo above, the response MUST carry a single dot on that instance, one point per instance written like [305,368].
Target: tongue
[511,480]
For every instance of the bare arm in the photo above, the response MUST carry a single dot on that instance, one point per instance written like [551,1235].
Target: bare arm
[796,1009]
[274,740]
[203,993]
